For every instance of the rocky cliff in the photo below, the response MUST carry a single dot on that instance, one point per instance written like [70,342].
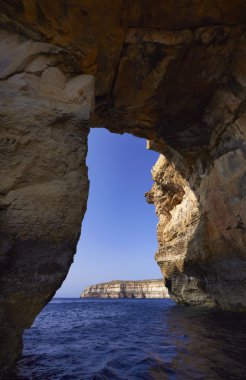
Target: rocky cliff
[171,72]
[127,289]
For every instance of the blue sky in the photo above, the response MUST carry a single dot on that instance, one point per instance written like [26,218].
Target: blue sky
[118,239]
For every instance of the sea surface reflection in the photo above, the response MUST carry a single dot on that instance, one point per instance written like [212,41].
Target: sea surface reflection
[133,339]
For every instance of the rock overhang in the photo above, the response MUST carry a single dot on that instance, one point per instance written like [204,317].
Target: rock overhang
[156,66]
[173,75]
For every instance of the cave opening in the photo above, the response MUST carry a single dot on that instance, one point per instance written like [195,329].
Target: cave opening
[118,238]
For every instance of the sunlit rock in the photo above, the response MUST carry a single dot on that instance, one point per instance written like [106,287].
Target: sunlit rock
[127,289]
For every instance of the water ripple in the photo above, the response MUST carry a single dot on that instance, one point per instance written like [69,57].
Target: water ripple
[131,340]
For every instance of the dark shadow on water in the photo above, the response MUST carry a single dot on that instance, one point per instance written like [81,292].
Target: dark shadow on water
[210,343]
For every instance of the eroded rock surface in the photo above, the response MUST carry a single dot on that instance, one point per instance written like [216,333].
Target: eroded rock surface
[170,72]
[127,289]
[200,201]
[43,191]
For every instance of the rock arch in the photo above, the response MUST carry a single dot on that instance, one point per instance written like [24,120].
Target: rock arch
[173,75]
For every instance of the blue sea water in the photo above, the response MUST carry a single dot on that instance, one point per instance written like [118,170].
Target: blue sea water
[129,339]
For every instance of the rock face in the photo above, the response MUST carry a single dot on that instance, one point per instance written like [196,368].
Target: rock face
[201,209]
[43,190]
[171,72]
[127,289]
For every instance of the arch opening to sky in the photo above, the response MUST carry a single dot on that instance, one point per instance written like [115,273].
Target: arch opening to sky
[118,239]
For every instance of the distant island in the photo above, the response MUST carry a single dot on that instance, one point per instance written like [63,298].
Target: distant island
[127,289]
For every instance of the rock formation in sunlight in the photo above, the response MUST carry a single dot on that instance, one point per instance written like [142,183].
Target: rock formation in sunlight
[171,72]
[127,289]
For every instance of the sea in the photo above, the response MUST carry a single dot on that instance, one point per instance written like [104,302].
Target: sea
[132,339]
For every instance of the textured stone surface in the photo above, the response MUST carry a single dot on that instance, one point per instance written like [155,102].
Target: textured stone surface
[200,201]
[127,289]
[171,72]
[43,190]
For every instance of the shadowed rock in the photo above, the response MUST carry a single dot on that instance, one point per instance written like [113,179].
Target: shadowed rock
[170,72]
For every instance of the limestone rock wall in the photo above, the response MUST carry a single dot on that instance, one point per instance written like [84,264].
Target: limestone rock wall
[127,289]
[201,203]
[43,189]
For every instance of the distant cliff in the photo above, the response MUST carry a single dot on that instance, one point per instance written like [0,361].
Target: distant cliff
[127,289]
